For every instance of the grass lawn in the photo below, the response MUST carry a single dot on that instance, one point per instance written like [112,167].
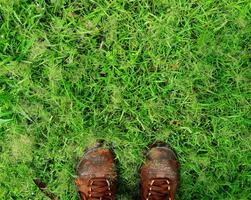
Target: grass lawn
[130,72]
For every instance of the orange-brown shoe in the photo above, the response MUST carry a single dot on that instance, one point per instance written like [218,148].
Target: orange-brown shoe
[97,175]
[159,174]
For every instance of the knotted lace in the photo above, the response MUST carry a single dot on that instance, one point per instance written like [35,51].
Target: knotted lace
[99,189]
[159,189]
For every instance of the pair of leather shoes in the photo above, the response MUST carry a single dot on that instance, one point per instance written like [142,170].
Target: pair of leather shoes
[97,175]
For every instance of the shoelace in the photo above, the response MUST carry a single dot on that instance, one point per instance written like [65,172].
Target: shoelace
[99,189]
[159,189]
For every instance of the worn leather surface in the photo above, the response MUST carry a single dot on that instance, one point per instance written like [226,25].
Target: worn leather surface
[96,163]
[161,162]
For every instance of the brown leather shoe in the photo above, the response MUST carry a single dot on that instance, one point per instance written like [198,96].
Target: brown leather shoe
[97,175]
[159,174]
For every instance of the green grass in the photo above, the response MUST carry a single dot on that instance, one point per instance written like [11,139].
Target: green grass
[129,72]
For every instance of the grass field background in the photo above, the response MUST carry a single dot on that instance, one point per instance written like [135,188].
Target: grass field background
[129,72]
